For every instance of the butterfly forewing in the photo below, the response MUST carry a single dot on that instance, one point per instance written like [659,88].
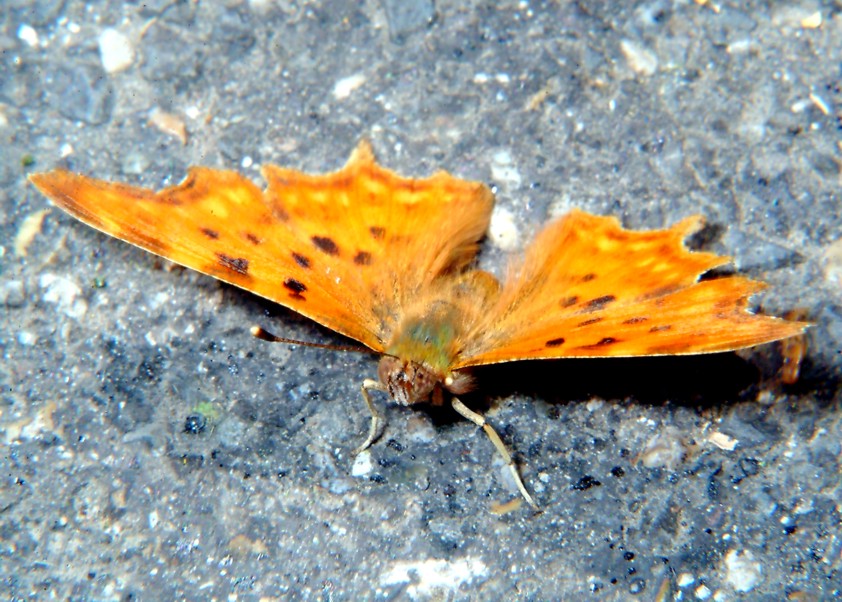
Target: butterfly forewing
[346,249]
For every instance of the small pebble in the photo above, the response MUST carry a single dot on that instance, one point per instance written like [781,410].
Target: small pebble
[362,465]
[169,123]
[502,231]
[743,573]
[26,338]
[343,88]
[27,33]
[115,51]
[685,579]
[503,170]
[833,264]
[12,293]
[812,21]
[664,450]
[28,230]
[64,294]
[641,60]
[722,441]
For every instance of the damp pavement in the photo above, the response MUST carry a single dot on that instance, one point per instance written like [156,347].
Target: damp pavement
[151,449]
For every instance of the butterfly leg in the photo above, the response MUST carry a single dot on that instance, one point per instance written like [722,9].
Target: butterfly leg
[374,429]
[480,421]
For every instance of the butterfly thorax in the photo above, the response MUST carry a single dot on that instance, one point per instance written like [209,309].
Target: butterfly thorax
[418,361]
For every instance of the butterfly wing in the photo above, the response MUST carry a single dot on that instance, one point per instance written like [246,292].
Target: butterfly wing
[345,249]
[589,288]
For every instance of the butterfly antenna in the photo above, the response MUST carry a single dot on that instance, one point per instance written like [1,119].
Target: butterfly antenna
[265,335]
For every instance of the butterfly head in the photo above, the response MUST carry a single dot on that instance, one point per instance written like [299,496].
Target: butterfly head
[409,382]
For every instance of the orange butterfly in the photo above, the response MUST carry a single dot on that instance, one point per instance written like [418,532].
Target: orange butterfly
[388,261]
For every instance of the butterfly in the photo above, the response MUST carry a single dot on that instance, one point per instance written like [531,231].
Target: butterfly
[389,261]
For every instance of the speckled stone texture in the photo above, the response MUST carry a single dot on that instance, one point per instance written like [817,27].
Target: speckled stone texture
[151,449]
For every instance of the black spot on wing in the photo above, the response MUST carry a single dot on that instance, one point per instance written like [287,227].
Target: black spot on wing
[589,322]
[235,264]
[295,287]
[569,301]
[326,245]
[601,343]
[212,234]
[301,260]
[661,328]
[599,303]
[253,239]
[377,232]
[659,292]
[555,342]
[362,258]
[588,277]
[634,320]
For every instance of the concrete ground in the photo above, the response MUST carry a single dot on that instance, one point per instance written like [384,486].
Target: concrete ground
[151,449]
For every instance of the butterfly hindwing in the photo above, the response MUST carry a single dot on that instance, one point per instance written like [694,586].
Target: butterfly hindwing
[589,288]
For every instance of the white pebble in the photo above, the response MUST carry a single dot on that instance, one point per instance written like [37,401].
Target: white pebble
[427,578]
[26,338]
[502,231]
[594,405]
[27,34]
[723,441]
[115,51]
[812,21]
[641,60]
[685,579]
[262,7]
[702,592]
[664,450]
[362,464]
[504,171]
[343,88]
[743,572]
[64,294]
[12,293]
